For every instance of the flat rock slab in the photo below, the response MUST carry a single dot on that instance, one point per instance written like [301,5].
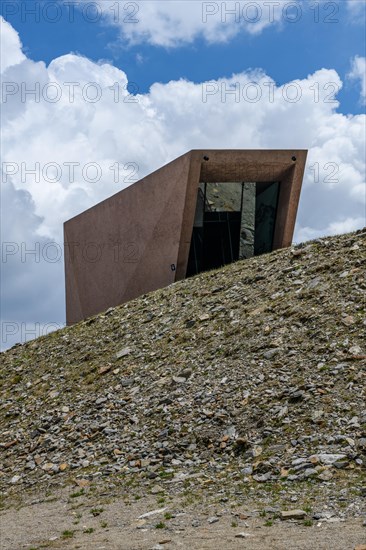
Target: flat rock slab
[293,514]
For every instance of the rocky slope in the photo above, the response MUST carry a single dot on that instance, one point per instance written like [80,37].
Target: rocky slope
[248,380]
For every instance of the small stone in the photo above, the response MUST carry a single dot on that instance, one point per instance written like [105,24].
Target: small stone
[282,412]
[186,373]
[326,475]
[53,394]
[213,519]
[243,535]
[314,283]
[257,451]
[152,513]
[47,466]
[296,396]
[104,370]
[179,379]
[204,317]
[122,353]
[298,461]
[230,431]
[140,523]
[62,467]
[293,514]
[15,479]
[82,483]
[341,464]
[308,472]
[355,350]
[317,415]
[262,478]
[271,353]
[156,490]
[328,459]
[326,515]
[296,252]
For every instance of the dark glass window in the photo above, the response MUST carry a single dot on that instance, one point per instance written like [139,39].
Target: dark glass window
[233,220]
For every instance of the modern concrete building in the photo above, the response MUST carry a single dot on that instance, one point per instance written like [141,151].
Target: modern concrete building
[203,210]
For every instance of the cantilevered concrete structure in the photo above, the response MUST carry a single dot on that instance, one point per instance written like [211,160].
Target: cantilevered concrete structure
[203,210]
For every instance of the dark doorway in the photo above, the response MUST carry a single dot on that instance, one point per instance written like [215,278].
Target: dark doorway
[216,243]
[221,231]
[232,221]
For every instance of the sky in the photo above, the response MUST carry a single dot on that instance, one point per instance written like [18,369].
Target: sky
[93,94]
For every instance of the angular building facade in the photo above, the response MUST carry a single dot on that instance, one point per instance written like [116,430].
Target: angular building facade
[205,209]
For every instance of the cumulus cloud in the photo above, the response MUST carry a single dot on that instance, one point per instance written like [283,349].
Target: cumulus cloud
[171,23]
[31,293]
[358,73]
[174,23]
[9,44]
[334,228]
[72,136]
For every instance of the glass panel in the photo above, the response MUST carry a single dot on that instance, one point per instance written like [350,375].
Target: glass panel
[198,217]
[223,197]
[247,225]
[233,220]
[265,216]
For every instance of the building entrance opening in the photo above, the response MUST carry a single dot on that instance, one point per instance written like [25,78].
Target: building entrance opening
[233,221]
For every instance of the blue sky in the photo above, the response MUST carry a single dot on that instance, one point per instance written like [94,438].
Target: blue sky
[286,52]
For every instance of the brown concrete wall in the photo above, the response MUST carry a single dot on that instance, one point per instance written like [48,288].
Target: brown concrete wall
[134,237]
[126,245]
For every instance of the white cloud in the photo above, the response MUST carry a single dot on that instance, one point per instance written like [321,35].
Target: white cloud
[335,228]
[358,72]
[357,11]
[31,290]
[171,23]
[144,132]
[174,23]
[9,43]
